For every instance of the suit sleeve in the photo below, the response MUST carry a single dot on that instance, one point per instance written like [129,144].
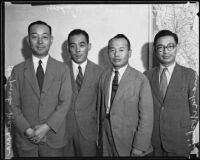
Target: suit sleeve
[142,139]
[13,98]
[64,101]
[194,99]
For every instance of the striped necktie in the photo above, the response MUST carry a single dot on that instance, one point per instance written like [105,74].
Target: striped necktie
[79,78]
[114,86]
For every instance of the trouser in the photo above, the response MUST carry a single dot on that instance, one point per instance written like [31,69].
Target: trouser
[42,150]
[160,151]
[109,148]
[78,145]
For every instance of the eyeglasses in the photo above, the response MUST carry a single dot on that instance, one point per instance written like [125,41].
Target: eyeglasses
[161,48]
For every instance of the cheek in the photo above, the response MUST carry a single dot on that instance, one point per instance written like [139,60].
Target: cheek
[72,51]
[159,55]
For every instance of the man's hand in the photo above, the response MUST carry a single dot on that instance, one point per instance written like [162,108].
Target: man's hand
[137,152]
[40,132]
[30,134]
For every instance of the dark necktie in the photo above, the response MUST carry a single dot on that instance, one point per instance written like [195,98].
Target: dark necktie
[114,87]
[163,82]
[79,78]
[40,75]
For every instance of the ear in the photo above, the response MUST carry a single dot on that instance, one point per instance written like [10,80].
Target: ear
[27,40]
[51,40]
[89,46]
[129,53]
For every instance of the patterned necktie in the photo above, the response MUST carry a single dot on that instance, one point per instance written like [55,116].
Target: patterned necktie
[163,82]
[114,87]
[79,78]
[40,75]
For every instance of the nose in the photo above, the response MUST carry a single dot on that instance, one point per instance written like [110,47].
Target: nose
[116,54]
[77,49]
[39,40]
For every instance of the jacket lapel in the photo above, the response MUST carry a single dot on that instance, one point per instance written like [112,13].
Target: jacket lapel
[174,81]
[30,75]
[74,88]
[107,87]
[49,75]
[122,85]
[87,78]
[155,85]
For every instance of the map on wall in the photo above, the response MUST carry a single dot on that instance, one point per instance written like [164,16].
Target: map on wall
[183,20]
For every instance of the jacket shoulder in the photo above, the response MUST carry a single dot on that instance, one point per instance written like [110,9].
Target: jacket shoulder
[96,67]
[137,74]
[60,66]
[20,66]
[150,72]
[188,72]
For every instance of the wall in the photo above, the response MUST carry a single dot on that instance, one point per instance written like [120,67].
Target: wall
[101,21]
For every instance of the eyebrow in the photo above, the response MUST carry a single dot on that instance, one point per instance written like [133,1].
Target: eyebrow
[75,43]
[42,33]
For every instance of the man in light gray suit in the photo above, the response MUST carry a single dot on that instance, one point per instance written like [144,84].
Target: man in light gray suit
[81,130]
[40,95]
[125,105]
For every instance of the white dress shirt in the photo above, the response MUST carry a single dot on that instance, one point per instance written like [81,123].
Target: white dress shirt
[168,72]
[36,62]
[121,72]
[76,70]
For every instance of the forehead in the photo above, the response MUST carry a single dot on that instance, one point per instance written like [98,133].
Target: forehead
[39,28]
[78,37]
[166,40]
[120,42]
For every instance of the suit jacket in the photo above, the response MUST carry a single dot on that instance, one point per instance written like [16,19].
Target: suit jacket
[178,112]
[30,108]
[131,113]
[83,105]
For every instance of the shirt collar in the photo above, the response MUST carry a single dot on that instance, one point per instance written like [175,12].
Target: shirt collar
[83,65]
[121,70]
[170,68]
[36,59]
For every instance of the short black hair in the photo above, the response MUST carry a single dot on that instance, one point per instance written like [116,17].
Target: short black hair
[120,36]
[163,33]
[39,23]
[78,31]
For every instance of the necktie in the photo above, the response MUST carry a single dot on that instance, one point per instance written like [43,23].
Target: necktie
[79,78]
[40,75]
[163,82]
[114,87]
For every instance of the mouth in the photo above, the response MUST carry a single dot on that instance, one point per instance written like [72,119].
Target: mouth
[40,48]
[116,60]
[78,56]
[165,57]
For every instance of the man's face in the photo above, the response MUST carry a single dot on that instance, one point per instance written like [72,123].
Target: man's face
[78,48]
[118,52]
[166,50]
[40,40]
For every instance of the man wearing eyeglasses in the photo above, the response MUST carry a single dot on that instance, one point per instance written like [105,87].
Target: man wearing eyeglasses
[175,92]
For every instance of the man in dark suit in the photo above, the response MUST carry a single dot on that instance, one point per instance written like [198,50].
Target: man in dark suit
[125,105]
[39,96]
[176,99]
[82,119]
